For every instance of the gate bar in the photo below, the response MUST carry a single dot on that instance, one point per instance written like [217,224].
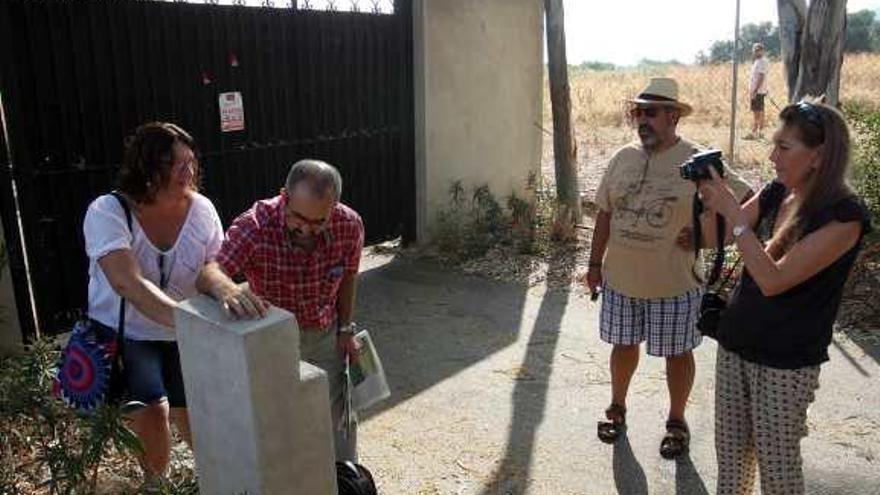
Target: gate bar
[13,236]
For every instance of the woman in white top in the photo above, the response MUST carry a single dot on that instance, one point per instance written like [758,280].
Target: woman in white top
[175,231]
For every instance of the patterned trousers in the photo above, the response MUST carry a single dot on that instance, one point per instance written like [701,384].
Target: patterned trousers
[760,419]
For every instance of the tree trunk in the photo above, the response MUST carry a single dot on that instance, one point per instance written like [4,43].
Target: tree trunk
[792,17]
[812,47]
[564,147]
[822,50]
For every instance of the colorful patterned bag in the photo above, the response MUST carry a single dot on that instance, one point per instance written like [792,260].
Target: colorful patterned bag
[90,372]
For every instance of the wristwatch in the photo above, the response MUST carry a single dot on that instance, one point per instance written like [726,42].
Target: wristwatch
[739,230]
[348,328]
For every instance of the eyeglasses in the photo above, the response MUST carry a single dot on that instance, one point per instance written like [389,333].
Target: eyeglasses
[648,112]
[318,222]
[290,212]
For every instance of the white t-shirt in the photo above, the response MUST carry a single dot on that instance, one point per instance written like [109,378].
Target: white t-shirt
[106,230]
[760,66]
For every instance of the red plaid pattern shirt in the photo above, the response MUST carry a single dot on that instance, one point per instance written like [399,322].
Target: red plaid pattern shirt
[305,283]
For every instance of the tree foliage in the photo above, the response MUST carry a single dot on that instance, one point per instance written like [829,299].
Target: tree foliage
[862,35]
[862,29]
[865,121]
[595,66]
[765,32]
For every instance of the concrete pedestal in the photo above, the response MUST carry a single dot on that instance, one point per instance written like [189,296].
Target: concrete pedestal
[260,418]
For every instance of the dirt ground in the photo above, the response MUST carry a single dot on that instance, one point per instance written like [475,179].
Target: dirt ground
[499,377]
[497,388]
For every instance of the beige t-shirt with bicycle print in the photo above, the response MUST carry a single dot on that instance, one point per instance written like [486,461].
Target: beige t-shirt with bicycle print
[649,204]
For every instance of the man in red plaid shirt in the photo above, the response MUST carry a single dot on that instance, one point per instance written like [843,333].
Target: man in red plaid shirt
[299,251]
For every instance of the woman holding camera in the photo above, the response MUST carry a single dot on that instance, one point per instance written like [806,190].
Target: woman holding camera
[798,240]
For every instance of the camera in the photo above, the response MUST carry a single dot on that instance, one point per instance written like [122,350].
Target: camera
[697,168]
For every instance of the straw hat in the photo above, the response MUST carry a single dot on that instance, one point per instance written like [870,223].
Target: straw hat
[662,91]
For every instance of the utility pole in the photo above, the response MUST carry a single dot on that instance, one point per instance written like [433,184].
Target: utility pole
[564,147]
[732,142]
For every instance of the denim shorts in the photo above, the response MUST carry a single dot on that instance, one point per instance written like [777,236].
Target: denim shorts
[152,371]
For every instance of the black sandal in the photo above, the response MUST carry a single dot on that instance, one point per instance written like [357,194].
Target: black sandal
[677,439]
[609,431]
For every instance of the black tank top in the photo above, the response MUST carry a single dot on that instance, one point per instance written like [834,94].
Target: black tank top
[792,329]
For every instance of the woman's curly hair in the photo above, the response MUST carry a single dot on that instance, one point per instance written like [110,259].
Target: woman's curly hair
[149,157]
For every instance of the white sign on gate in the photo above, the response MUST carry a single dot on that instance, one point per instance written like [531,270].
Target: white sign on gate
[231,112]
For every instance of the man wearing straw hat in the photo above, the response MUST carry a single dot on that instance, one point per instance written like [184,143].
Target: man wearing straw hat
[642,259]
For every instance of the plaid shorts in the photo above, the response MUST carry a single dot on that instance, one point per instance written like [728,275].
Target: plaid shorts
[669,324]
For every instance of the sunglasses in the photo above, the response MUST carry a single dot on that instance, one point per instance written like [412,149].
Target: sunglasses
[811,114]
[649,112]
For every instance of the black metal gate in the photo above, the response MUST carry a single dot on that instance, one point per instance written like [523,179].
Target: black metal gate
[77,77]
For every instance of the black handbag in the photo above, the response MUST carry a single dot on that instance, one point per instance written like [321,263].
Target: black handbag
[354,479]
[90,372]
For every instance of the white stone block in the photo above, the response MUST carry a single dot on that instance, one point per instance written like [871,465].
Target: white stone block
[260,419]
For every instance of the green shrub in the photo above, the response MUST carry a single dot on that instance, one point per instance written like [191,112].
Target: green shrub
[44,445]
[864,120]
[468,227]
[475,222]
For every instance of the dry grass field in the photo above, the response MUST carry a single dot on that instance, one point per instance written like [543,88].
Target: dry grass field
[598,110]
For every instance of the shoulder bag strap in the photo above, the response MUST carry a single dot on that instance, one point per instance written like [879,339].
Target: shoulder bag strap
[697,231]
[720,231]
[718,264]
[120,334]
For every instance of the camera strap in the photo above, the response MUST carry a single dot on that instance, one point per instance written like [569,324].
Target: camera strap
[720,230]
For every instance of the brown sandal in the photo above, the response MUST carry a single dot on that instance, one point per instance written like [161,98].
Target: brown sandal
[677,439]
[609,431]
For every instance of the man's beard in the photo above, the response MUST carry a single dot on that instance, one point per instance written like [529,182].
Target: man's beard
[300,239]
[648,136]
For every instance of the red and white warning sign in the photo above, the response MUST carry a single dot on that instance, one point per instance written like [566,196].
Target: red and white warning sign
[231,112]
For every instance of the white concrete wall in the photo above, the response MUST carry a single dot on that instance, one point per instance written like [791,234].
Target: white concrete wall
[10,331]
[478,93]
